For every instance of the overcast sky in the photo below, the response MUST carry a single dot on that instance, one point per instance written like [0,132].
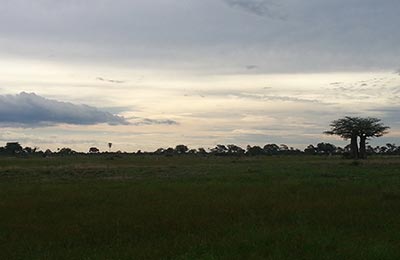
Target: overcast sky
[145,74]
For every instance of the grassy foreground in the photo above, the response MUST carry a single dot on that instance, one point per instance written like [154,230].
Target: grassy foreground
[199,208]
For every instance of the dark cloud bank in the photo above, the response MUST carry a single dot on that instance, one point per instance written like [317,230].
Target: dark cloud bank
[29,109]
[217,36]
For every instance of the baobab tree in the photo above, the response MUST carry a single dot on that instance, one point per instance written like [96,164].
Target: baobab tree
[354,127]
[347,129]
[369,128]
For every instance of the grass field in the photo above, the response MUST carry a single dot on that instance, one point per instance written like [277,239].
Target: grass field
[185,207]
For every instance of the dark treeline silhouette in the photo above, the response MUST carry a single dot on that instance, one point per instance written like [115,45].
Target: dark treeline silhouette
[15,149]
[356,129]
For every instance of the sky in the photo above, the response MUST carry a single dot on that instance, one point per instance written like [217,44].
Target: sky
[149,74]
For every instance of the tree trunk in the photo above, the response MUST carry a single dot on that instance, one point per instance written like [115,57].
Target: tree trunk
[354,148]
[363,150]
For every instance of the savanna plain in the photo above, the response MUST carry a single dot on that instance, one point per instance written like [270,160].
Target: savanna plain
[194,207]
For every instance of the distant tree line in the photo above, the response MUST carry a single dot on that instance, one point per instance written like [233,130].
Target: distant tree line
[356,129]
[15,149]
[274,149]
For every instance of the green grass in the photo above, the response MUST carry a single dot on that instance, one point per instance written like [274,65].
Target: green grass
[199,208]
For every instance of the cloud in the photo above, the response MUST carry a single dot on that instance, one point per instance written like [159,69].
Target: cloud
[148,121]
[276,98]
[373,88]
[110,80]
[390,114]
[29,109]
[251,67]
[265,8]
[318,36]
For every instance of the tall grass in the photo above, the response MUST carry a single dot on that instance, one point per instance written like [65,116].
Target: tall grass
[199,208]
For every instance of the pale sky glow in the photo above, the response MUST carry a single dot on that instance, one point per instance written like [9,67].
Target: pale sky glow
[197,72]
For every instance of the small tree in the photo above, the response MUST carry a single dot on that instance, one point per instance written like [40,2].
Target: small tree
[326,148]
[168,152]
[192,151]
[220,149]
[66,151]
[271,149]
[201,151]
[159,151]
[47,153]
[94,150]
[254,150]
[310,149]
[13,148]
[234,149]
[181,149]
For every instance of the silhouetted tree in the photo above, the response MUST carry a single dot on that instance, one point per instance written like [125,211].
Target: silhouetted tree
[391,148]
[354,127]
[66,151]
[254,150]
[326,148]
[383,149]
[47,153]
[283,148]
[29,150]
[169,151]
[94,150]
[220,149]
[192,151]
[310,149]
[369,128]
[181,149]
[347,129]
[271,149]
[159,151]
[236,150]
[201,151]
[13,148]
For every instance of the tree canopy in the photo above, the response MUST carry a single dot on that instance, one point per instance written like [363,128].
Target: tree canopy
[357,127]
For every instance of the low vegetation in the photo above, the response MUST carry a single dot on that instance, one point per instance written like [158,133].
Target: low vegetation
[15,149]
[122,206]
